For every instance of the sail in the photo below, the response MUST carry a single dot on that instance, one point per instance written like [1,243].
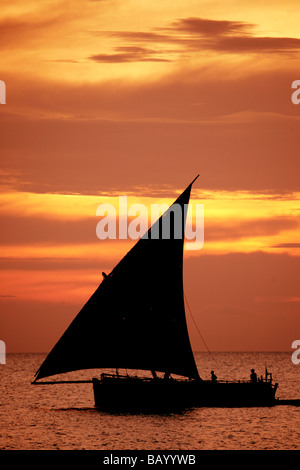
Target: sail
[136,318]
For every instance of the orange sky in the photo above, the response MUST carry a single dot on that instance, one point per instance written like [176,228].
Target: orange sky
[110,97]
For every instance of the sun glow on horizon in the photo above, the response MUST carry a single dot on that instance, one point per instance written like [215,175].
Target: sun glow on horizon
[233,223]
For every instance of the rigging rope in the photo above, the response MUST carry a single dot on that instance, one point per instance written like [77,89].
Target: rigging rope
[200,332]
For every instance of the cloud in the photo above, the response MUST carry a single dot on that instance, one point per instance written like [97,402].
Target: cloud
[237,44]
[232,36]
[48,154]
[36,25]
[163,129]
[286,245]
[195,35]
[11,29]
[40,231]
[139,36]
[129,54]
[46,264]
[237,230]
[207,27]
[47,25]
[62,60]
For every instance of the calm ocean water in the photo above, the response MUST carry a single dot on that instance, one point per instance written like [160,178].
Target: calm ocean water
[63,416]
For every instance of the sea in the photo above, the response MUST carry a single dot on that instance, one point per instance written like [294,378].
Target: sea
[63,417]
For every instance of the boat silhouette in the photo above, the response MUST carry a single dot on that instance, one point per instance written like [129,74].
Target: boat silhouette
[135,320]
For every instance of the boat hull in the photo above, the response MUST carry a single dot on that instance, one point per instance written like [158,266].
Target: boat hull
[135,393]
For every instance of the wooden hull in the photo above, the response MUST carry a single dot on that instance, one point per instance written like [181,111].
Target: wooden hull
[142,394]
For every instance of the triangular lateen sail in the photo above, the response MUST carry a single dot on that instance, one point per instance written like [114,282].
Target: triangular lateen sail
[136,317]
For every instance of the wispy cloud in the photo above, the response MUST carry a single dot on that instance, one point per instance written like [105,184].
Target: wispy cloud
[207,27]
[37,26]
[252,228]
[287,245]
[194,35]
[237,44]
[129,54]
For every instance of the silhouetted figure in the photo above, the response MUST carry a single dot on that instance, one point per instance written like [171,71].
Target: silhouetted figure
[213,376]
[105,276]
[253,376]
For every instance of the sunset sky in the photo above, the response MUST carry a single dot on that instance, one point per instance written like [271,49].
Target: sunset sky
[134,97]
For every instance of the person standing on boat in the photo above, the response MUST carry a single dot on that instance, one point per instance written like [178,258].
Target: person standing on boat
[253,376]
[213,376]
